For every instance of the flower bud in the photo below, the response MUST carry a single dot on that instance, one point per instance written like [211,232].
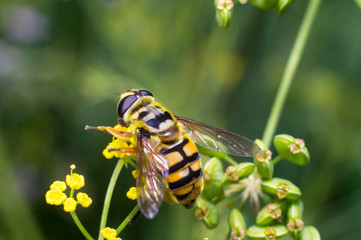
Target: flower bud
[213,176]
[237,225]
[292,149]
[263,162]
[264,4]
[270,213]
[207,212]
[224,12]
[310,233]
[236,173]
[268,233]
[282,188]
[282,6]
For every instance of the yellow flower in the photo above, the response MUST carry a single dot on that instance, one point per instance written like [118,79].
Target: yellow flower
[69,205]
[55,197]
[132,193]
[111,150]
[83,199]
[109,234]
[74,180]
[135,174]
[58,185]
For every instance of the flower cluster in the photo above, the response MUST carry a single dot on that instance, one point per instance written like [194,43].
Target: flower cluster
[114,148]
[56,195]
[109,234]
[283,210]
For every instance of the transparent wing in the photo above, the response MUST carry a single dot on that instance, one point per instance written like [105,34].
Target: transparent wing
[220,140]
[152,168]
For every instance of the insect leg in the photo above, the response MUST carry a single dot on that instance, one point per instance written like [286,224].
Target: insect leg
[123,150]
[135,217]
[110,130]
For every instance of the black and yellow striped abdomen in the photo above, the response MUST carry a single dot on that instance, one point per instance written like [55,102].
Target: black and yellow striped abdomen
[185,180]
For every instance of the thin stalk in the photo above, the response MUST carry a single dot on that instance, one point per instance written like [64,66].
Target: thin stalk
[276,160]
[127,219]
[290,69]
[108,196]
[80,226]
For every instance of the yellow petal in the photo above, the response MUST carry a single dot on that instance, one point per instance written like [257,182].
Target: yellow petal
[75,181]
[58,185]
[55,197]
[69,205]
[83,199]
[132,193]
[108,233]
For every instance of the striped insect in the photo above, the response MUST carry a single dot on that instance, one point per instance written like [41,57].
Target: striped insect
[167,160]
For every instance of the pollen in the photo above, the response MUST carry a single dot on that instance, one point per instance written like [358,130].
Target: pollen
[83,199]
[55,197]
[69,205]
[132,193]
[109,234]
[61,185]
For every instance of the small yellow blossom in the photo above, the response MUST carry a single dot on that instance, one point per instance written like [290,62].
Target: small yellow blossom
[83,199]
[205,238]
[55,197]
[109,234]
[135,174]
[74,180]
[132,193]
[69,205]
[61,185]
[117,143]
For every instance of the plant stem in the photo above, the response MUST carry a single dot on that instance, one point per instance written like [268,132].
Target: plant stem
[127,219]
[80,226]
[229,160]
[276,160]
[108,196]
[290,69]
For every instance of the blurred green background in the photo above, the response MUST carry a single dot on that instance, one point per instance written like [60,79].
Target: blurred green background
[62,64]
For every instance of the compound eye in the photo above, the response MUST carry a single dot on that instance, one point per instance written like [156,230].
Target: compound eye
[125,104]
[145,93]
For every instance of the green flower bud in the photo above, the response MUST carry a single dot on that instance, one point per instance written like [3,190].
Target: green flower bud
[292,149]
[237,225]
[236,173]
[224,12]
[282,188]
[207,212]
[294,214]
[213,178]
[263,162]
[282,6]
[270,213]
[268,233]
[264,4]
[310,233]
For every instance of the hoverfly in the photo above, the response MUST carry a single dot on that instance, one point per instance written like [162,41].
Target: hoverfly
[167,160]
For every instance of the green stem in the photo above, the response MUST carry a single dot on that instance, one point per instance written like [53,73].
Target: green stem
[80,226]
[127,219]
[290,69]
[229,160]
[276,160]
[108,196]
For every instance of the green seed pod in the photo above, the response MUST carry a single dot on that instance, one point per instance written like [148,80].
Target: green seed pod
[294,214]
[213,178]
[270,213]
[264,4]
[282,6]
[207,212]
[224,12]
[282,188]
[292,149]
[263,162]
[309,233]
[237,225]
[268,233]
[236,173]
